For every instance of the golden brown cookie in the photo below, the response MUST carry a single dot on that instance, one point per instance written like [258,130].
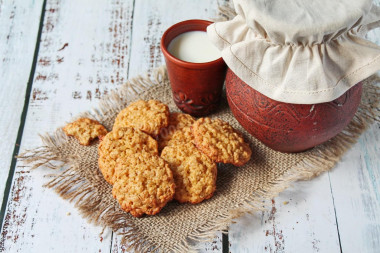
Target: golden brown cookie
[184,135]
[85,130]
[177,121]
[121,143]
[148,116]
[144,184]
[194,173]
[220,141]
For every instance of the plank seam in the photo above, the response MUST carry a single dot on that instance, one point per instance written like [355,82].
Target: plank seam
[22,120]
[111,242]
[225,242]
[336,218]
[131,39]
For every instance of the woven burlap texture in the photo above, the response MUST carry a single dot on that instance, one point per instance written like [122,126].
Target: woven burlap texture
[178,227]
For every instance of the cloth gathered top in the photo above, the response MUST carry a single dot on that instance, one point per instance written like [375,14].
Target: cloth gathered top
[300,51]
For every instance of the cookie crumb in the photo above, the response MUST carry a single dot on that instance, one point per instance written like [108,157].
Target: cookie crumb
[85,130]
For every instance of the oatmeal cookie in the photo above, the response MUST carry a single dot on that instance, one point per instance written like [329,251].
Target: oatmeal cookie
[121,143]
[184,135]
[194,173]
[148,116]
[144,184]
[177,121]
[85,130]
[220,141]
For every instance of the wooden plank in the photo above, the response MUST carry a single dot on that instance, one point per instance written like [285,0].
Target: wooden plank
[84,52]
[301,219]
[355,186]
[356,190]
[150,20]
[18,32]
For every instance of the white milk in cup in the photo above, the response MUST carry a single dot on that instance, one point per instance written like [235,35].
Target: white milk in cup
[193,47]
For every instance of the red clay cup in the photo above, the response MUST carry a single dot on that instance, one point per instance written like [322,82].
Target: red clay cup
[196,87]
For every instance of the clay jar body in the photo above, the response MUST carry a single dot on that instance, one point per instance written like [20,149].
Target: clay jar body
[289,127]
[196,87]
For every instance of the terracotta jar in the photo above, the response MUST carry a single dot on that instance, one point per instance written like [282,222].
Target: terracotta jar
[296,66]
[289,127]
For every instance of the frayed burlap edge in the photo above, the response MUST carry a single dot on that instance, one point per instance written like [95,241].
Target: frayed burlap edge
[72,187]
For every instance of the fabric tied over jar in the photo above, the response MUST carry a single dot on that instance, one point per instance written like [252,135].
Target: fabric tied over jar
[300,51]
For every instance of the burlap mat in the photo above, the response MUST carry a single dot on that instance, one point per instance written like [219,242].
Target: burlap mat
[179,226]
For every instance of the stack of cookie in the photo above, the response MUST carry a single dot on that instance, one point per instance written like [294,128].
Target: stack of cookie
[152,156]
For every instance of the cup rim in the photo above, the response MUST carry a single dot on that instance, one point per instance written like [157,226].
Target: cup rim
[187,64]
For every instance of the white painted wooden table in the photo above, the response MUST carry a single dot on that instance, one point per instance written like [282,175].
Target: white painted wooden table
[58,58]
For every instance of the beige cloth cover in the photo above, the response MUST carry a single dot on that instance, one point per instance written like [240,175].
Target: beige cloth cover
[300,51]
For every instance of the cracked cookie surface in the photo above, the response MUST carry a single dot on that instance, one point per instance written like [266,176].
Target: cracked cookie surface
[144,184]
[85,130]
[121,143]
[177,121]
[220,141]
[148,116]
[194,173]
